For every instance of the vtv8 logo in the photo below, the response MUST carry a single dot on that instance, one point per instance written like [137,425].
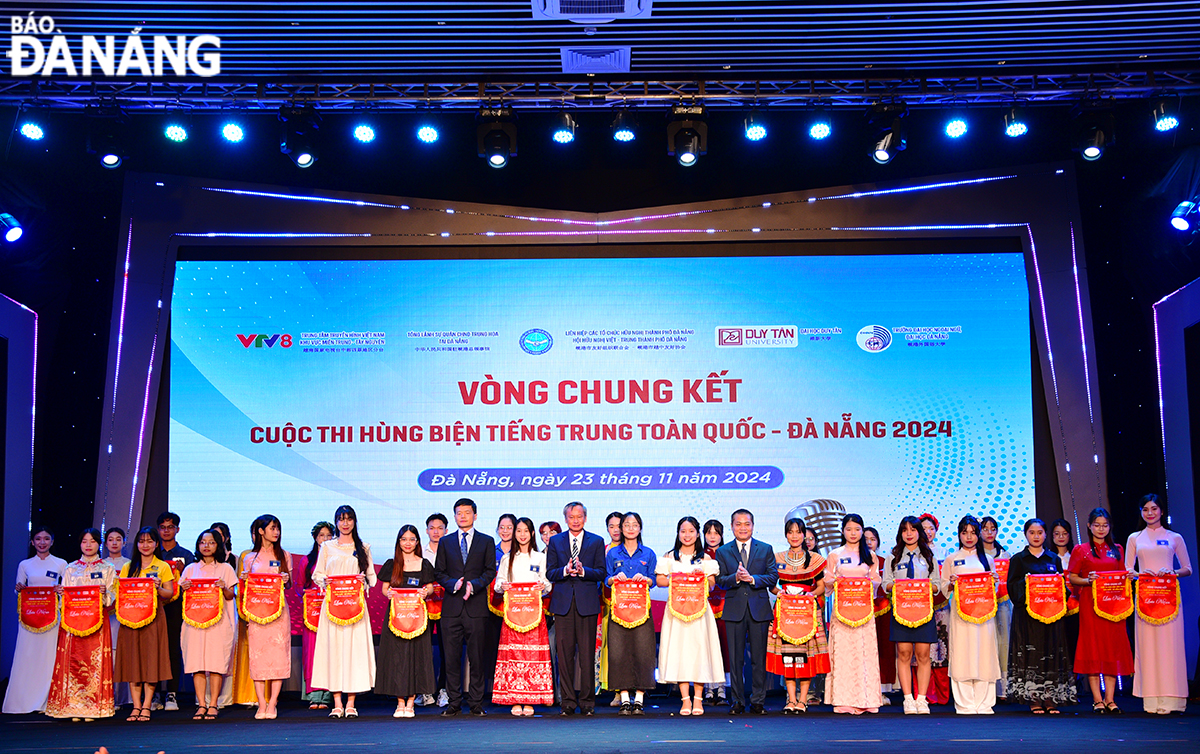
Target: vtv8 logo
[283,340]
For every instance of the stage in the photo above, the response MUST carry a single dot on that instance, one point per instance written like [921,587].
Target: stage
[298,729]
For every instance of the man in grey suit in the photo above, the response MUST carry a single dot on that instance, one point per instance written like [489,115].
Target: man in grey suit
[748,572]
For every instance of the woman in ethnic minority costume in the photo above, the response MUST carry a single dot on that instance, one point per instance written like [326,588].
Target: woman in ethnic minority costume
[974,659]
[524,675]
[405,666]
[143,659]
[208,651]
[1159,666]
[1103,647]
[632,648]
[1039,661]
[853,682]
[33,659]
[82,683]
[800,572]
[322,532]
[689,651]
[910,559]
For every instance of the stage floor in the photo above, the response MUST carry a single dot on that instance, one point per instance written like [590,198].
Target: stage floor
[1011,729]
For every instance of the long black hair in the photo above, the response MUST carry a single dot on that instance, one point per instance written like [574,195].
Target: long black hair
[311,563]
[397,579]
[974,523]
[1162,507]
[798,523]
[864,552]
[256,530]
[989,520]
[515,549]
[360,552]
[1110,546]
[220,555]
[1070,535]
[135,562]
[697,548]
[922,543]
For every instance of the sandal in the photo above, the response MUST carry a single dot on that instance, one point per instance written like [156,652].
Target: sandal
[517,711]
[697,707]
[336,712]
[789,708]
[133,715]
[526,711]
[1112,708]
[801,708]
[1037,710]
[351,712]
[200,713]
[144,717]
[314,705]
[212,713]
[686,707]
[1099,708]
[1052,710]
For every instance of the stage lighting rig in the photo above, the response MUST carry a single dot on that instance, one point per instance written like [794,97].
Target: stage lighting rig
[1092,130]
[299,137]
[1165,115]
[105,135]
[496,135]
[884,120]
[687,134]
[1186,217]
[12,228]
[623,126]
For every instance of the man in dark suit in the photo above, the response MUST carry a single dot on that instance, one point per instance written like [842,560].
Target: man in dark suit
[465,566]
[748,572]
[575,565]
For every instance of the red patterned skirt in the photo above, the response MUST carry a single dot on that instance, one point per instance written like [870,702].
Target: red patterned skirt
[82,684]
[523,672]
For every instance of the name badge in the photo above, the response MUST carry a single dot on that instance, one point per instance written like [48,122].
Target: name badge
[781,566]
[274,564]
[844,561]
[1050,567]
[1163,542]
[97,575]
[619,564]
[414,581]
[52,574]
[535,568]
[960,562]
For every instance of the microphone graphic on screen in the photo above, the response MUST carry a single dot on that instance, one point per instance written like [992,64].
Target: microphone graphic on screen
[824,517]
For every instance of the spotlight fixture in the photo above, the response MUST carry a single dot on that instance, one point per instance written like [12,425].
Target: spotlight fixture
[1186,215]
[1014,123]
[622,126]
[232,132]
[820,127]
[496,135]
[564,129]
[887,130]
[687,134]
[754,127]
[105,135]
[32,131]
[1165,115]
[1092,130]
[176,132]
[956,126]
[299,137]
[427,134]
[364,133]
[12,228]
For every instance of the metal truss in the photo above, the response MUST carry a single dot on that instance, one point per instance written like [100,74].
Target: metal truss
[202,95]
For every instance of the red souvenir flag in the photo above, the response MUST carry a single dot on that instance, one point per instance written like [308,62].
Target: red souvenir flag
[1002,573]
[137,601]
[716,600]
[495,601]
[407,617]
[1157,599]
[1045,597]
[82,609]
[630,602]
[37,608]
[1112,598]
[203,603]
[523,606]
[853,600]
[313,599]
[262,600]
[433,604]
[796,618]
[912,602]
[687,595]
[975,597]
[344,601]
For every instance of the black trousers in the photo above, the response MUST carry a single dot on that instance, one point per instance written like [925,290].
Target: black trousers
[738,634]
[575,638]
[459,631]
[439,663]
[174,614]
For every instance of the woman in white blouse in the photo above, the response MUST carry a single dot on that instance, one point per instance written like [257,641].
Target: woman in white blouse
[974,655]
[912,558]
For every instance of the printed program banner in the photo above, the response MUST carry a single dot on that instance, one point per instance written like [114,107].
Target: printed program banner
[882,385]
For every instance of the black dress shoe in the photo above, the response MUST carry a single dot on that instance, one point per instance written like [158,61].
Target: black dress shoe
[626,709]
[757,709]
[566,712]
[589,713]
[637,709]
[451,711]
[737,709]
[478,712]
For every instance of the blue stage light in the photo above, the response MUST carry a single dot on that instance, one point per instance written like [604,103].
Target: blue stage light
[622,126]
[820,130]
[1184,216]
[176,133]
[755,130]
[1014,123]
[31,130]
[956,128]
[1165,116]
[427,134]
[232,132]
[564,131]
[364,133]
[12,228]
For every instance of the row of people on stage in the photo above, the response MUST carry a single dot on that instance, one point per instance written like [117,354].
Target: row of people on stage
[552,624]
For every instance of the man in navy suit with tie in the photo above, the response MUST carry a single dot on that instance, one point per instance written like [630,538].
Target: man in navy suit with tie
[575,565]
[465,566]
[748,572]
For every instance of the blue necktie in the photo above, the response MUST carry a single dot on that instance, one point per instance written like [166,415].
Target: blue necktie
[463,546]
[910,564]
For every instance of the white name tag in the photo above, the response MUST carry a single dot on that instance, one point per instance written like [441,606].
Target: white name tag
[413,581]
